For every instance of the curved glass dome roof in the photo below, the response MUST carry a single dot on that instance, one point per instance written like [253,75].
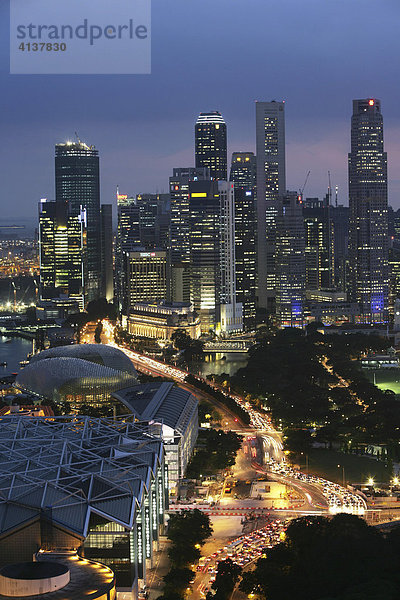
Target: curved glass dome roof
[57,377]
[94,353]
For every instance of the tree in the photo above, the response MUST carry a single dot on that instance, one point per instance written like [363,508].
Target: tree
[177,580]
[97,332]
[227,575]
[297,440]
[189,527]
[181,339]
[327,559]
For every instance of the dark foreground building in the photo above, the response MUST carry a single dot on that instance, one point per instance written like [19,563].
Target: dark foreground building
[95,486]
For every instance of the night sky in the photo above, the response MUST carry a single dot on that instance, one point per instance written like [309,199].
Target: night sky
[317,55]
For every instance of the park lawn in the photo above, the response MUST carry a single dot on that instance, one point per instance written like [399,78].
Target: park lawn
[385,379]
[358,469]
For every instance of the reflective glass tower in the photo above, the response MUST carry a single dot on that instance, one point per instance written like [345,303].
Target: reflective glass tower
[62,248]
[368,202]
[78,184]
[271,184]
[211,144]
[243,177]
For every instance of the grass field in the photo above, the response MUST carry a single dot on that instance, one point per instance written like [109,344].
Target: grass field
[357,469]
[385,379]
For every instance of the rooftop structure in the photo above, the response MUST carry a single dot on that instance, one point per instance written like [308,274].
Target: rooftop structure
[96,485]
[84,374]
[172,411]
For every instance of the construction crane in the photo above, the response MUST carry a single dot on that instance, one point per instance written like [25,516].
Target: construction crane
[301,191]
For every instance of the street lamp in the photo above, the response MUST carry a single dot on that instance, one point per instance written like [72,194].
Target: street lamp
[370,481]
[343,475]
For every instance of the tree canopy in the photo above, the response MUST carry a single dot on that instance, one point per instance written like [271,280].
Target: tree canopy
[329,559]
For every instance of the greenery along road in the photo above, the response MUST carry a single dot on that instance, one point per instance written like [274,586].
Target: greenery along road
[312,381]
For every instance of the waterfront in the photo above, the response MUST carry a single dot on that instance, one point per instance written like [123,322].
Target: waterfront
[214,364]
[12,352]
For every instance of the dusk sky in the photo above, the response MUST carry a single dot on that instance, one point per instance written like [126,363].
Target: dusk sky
[317,55]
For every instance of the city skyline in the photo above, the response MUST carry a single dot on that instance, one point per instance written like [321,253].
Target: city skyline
[141,141]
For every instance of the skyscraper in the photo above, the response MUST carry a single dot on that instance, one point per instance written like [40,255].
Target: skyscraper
[319,244]
[180,228]
[368,202]
[128,238]
[271,184]
[243,177]
[211,144]
[62,247]
[146,276]
[107,269]
[212,255]
[290,262]
[78,184]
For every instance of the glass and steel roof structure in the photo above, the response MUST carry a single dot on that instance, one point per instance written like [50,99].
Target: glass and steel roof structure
[69,467]
[96,353]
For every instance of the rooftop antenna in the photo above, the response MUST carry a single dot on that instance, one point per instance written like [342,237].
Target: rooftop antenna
[77,137]
[329,189]
[336,195]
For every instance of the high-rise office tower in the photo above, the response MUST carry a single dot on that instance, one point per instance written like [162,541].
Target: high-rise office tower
[271,184]
[180,229]
[154,219]
[128,238]
[368,202]
[211,144]
[107,268]
[62,248]
[146,276]
[212,256]
[340,219]
[243,177]
[290,262]
[319,244]
[78,184]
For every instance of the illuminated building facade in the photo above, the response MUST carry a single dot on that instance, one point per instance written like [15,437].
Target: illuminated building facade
[271,185]
[290,262]
[80,374]
[173,413]
[243,177]
[146,276]
[160,321]
[180,229]
[78,184]
[211,144]
[128,238]
[107,268]
[368,202]
[319,240]
[62,251]
[212,256]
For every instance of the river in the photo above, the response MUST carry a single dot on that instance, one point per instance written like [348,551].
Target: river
[214,364]
[12,353]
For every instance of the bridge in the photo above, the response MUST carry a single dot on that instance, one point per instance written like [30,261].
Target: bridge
[222,346]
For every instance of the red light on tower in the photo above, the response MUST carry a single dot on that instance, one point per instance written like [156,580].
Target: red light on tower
[371,102]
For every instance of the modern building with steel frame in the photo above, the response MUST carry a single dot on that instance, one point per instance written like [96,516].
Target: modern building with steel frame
[98,486]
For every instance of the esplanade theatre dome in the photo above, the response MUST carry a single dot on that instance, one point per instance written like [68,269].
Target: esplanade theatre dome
[82,374]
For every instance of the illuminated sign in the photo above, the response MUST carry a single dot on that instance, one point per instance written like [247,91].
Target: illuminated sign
[139,546]
[371,102]
[147,532]
[160,501]
[166,487]
[122,197]
[199,195]
[154,510]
